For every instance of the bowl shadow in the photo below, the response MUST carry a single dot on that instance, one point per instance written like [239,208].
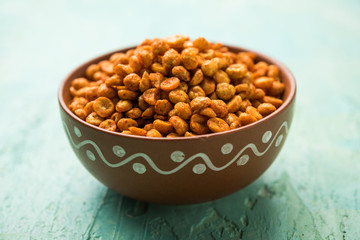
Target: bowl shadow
[237,216]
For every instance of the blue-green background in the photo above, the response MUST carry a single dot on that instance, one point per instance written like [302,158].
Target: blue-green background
[310,192]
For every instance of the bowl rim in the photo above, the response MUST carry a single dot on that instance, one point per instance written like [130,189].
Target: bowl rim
[284,69]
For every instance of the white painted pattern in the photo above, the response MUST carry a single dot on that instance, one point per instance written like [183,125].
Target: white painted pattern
[266,137]
[243,160]
[90,155]
[178,156]
[278,140]
[227,148]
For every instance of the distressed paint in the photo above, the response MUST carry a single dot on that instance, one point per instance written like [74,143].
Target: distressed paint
[310,192]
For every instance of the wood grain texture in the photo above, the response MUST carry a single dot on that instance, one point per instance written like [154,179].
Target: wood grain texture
[310,192]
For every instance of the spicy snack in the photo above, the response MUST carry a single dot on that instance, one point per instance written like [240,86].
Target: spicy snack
[175,87]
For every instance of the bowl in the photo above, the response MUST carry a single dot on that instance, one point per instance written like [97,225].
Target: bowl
[179,170]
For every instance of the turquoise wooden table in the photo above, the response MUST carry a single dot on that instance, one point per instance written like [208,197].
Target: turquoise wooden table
[312,191]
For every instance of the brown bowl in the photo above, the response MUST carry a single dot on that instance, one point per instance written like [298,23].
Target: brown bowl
[179,170]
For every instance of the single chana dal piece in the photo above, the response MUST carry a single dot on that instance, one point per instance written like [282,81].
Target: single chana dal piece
[219,107]
[81,113]
[94,119]
[163,127]
[225,91]
[232,120]
[141,103]
[198,124]
[178,95]
[208,112]
[217,125]
[273,71]
[151,96]
[179,125]
[244,104]
[127,132]
[208,85]
[78,102]
[159,46]
[246,119]
[264,82]
[196,91]
[137,131]
[124,124]
[221,77]
[162,107]
[133,113]
[209,67]
[132,81]
[91,70]
[113,81]
[182,110]
[78,83]
[106,67]
[172,135]
[171,59]
[201,43]
[254,112]
[148,113]
[199,103]
[189,134]
[103,107]
[237,71]
[274,101]
[157,67]
[181,73]
[176,41]
[123,70]
[260,69]
[189,59]
[276,89]
[106,91]
[183,86]
[149,126]
[258,94]
[135,63]
[127,94]
[153,133]
[170,84]
[156,79]
[116,116]
[108,124]
[145,82]
[266,108]
[234,104]
[123,106]
[197,78]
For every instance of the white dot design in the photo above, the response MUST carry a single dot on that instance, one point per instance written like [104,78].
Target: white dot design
[278,140]
[77,132]
[227,148]
[90,155]
[118,151]
[266,137]
[177,156]
[199,168]
[139,168]
[243,160]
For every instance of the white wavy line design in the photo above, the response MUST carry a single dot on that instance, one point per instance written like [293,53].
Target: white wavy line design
[204,157]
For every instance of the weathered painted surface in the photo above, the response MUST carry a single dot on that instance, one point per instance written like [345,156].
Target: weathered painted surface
[310,192]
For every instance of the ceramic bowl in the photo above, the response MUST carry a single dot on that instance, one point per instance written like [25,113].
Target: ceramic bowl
[179,170]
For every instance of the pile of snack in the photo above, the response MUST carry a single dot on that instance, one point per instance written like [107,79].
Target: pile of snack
[175,87]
